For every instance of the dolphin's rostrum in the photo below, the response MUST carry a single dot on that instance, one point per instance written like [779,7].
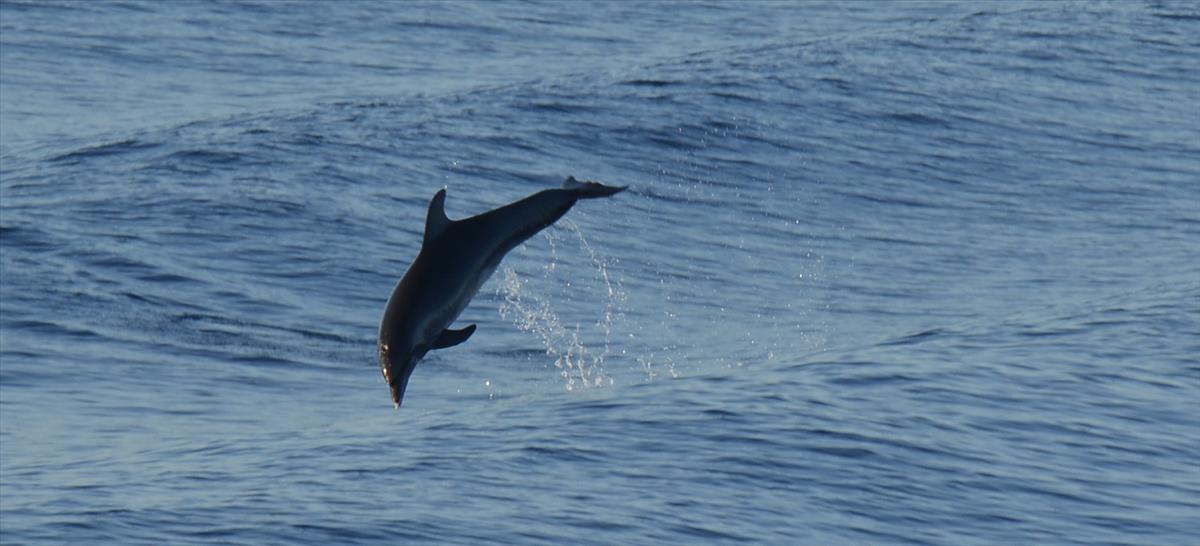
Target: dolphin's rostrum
[456,258]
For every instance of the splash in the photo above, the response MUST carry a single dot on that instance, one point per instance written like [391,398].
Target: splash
[581,366]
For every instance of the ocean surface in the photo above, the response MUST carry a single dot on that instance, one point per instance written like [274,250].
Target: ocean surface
[886,273]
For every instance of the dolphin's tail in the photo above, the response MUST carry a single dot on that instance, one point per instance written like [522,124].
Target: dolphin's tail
[589,189]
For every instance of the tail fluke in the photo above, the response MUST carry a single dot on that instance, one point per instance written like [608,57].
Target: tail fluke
[588,189]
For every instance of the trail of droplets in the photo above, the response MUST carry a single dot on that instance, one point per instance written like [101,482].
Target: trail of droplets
[579,366]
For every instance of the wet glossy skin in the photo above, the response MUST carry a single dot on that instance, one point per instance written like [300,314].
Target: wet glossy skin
[456,258]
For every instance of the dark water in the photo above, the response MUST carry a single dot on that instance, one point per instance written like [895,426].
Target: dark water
[886,274]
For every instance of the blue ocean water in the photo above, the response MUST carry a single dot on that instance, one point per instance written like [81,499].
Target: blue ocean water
[886,273]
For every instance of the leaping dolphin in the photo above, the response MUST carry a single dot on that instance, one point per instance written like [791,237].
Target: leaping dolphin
[456,258]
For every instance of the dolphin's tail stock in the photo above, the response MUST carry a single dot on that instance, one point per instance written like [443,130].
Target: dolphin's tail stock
[589,190]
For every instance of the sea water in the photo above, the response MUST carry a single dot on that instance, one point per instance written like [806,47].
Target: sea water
[886,273]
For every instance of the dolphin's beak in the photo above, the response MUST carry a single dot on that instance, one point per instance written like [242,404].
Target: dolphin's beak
[397,395]
[398,386]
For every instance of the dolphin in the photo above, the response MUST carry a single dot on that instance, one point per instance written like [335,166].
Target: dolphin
[456,258]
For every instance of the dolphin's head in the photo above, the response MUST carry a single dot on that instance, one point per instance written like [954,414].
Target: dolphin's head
[397,363]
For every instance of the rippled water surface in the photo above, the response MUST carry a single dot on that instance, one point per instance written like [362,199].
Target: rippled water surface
[911,273]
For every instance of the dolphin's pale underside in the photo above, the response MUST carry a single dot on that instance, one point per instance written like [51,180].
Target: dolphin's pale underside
[456,258]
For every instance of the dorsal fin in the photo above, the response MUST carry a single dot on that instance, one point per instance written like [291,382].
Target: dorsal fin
[436,220]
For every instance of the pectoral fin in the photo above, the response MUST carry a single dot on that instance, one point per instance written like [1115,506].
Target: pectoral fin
[450,338]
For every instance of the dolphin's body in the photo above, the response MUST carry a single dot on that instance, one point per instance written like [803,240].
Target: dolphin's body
[456,258]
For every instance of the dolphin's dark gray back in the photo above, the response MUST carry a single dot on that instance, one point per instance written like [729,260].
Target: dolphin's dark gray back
[536,212]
